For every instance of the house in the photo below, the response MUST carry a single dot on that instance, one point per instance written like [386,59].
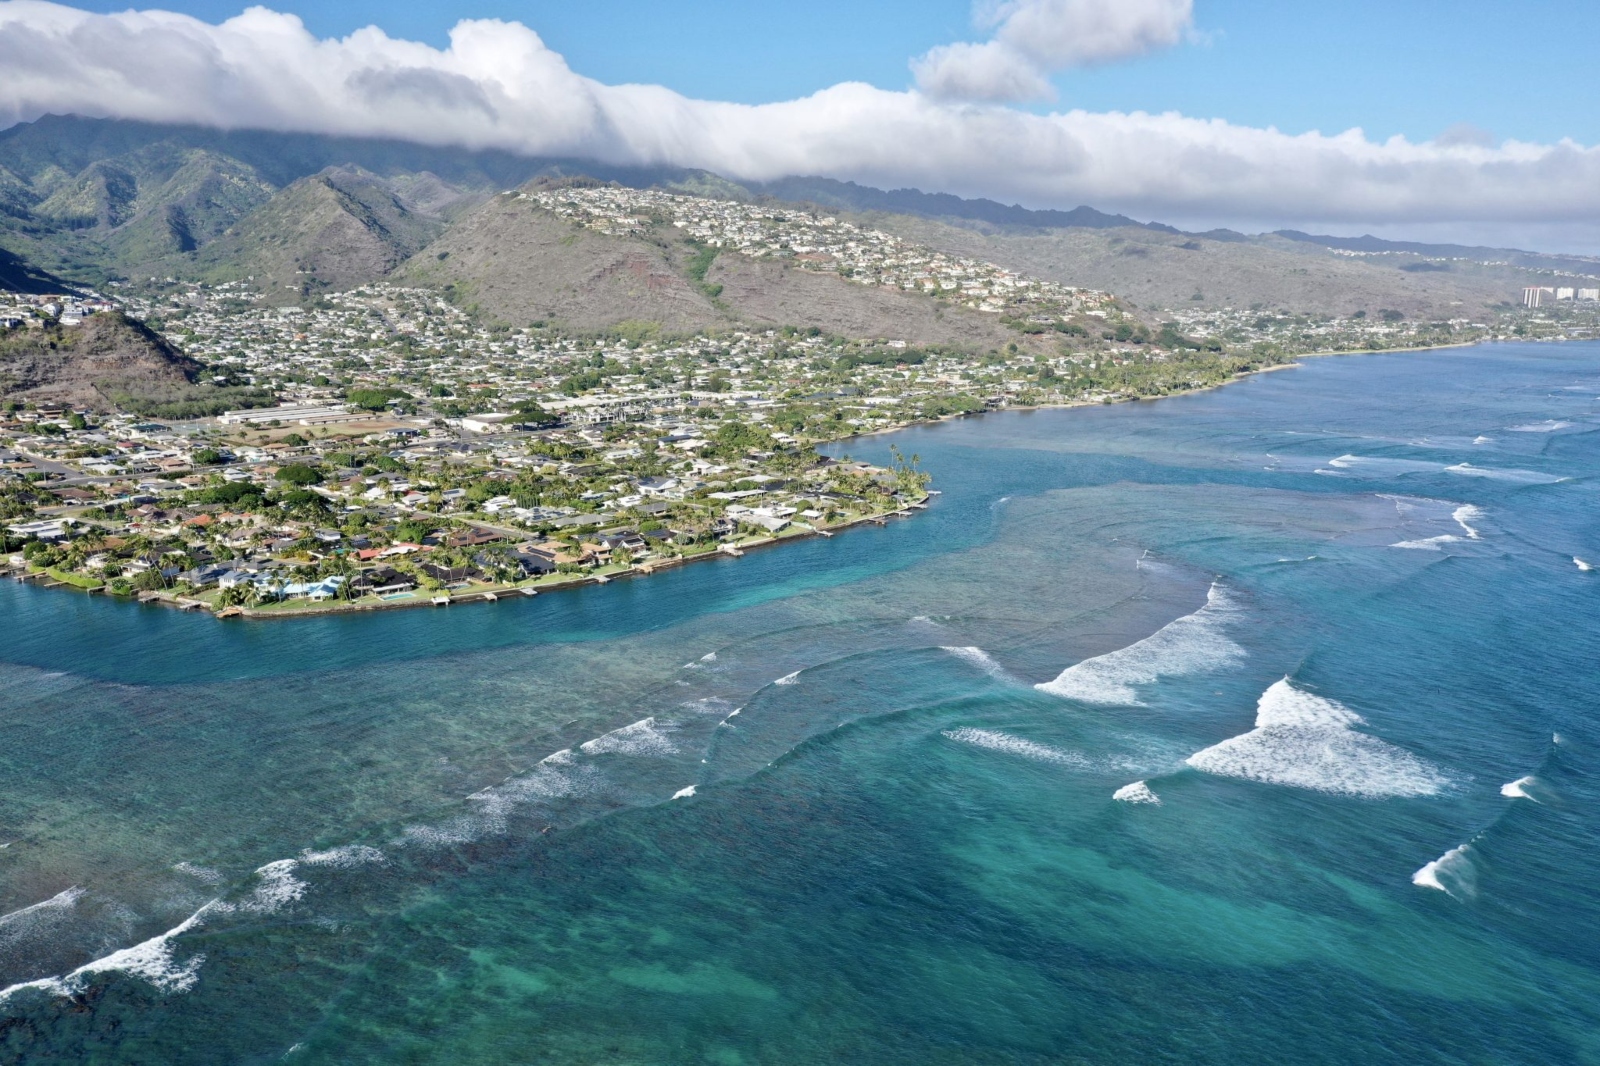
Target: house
[449,575]
[382,579]
[472,538]
[534,561]
[207,573]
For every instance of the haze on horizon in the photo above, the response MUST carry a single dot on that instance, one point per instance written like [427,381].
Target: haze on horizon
[996,110]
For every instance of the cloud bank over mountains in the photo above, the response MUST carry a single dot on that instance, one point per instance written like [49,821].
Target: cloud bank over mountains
[498,86]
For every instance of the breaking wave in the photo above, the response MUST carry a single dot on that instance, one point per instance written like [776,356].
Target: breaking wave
[643,737]
[1521,477]
[1138,792]
[979,658]
[788,679]
[1451,873]
[1432,544]
[1307,741]
[1464,516]
[1518,789]
[1549,425]
[1193,644]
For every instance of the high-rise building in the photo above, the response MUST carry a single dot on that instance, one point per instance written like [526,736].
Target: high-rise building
[1589,294]
[1564,293]
[1537,295]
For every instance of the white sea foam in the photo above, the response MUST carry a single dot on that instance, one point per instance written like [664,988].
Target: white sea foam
[1549,425]
[1019,746]
[1523,477]
[38,916]
[1193,644]
[1482,440]
[979,658]
[1451,873]
[1432,544]
[204,874]
[708,705]
[342,857]
[1581,565]
[1380,466]
[642,738]
[683,793]
[276,887]
[1138,792]
[1518,789]
[1307,741]
[788,679]
[151,960]
[709,657]
[1465,515]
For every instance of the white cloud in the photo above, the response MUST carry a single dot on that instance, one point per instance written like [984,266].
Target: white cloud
[990,72]
[498,85]
[1032,38]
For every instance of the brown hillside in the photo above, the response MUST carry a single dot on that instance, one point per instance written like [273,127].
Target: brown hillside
[770,292]
[519,264]
[85,365]
[1157,269]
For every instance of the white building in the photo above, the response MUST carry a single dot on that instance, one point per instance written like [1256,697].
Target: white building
[1537,295]
[1589,294]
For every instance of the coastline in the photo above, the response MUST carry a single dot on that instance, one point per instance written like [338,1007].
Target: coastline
[447,598]
[492,593]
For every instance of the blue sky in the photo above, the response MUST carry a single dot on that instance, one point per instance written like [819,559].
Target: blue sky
[1412,67]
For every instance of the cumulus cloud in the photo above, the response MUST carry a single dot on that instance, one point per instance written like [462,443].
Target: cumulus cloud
[1032,38]
[497,85]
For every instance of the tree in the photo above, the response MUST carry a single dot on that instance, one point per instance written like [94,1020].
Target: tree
[298,474]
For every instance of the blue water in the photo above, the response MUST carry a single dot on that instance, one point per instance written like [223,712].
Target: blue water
[1294,638]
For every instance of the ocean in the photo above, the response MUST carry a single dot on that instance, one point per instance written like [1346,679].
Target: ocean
[1253,726]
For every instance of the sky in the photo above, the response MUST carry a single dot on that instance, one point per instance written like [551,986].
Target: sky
[1439,120]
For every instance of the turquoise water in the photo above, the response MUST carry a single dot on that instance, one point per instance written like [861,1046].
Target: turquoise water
[1252,726]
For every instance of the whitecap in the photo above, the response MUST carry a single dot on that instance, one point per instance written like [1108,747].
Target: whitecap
[709,657]
[1451,873]
[1432,544]
[204,874]
[1581,565]
[979,658]
[1482,440]
[1019,746]
[44,914]
[1464,516]
[1380,466]
[1306,741]
[683,793]
[1523,477]
[1193,644]
[1549,425]
[788,679]
[1138,792]
[642,738]
[1518,789]
[343,857]
[277,886]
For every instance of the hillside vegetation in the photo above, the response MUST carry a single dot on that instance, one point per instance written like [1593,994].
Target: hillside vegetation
[110,361]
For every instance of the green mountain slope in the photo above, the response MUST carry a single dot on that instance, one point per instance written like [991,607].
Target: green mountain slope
[338,229]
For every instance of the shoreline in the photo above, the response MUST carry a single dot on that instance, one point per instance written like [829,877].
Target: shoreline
[1066,405]
[492,594]
[445,597]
